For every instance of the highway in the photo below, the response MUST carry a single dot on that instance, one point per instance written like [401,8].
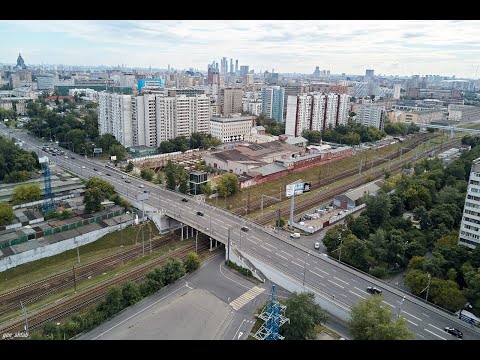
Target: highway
[319,273]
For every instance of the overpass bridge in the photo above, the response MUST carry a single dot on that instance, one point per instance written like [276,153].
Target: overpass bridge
[452,129]
[337,286]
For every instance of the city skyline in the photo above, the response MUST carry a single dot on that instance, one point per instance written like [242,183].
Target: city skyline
[396,47]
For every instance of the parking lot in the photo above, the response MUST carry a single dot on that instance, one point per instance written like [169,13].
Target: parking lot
[315,218]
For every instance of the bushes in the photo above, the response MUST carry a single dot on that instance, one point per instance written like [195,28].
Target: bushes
[240,269]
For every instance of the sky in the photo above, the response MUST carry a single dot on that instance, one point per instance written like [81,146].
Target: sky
[390,47]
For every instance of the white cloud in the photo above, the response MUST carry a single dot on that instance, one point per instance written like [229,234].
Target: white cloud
[429,46]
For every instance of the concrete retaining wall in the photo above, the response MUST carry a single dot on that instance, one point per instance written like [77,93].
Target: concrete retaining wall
[57,248]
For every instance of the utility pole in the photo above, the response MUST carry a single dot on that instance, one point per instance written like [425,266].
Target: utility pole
[228,247]
[279,217]
[340,251]
[74,278]
[428,287]
[196,242]
[400,307]
[26,317]
[78,252]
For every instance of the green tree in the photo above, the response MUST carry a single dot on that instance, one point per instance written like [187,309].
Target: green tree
[183,182]
[118,151]
[129,167]
[206,188]
[113,302]
[105,187]
[417,281]
[130,294]
[170,175]
[6,214]
[447,294]
[369,320]
[304,314]
[173,270]
[227,185]
[377,208]
[26,193]
[191,262]
[147,174]
[93,199]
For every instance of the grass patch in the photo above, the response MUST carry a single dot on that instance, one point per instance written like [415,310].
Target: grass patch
[323,329]
[107,245]
[240,269]
[258,323]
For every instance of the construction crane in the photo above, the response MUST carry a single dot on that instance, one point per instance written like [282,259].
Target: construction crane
[48,205]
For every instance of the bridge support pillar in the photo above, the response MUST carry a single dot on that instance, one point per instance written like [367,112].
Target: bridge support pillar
[216,243]
[192,232]
[182,233]
[211,242]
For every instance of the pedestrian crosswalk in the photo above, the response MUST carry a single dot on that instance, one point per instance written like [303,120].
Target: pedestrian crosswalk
[243,299]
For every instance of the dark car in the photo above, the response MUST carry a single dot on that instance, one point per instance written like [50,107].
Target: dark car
[128,181]
[95,169]
[199,213]
[454,332]
[244,228]
[184,199]
[373,290]
[108,174]
[72,158]
[145,191]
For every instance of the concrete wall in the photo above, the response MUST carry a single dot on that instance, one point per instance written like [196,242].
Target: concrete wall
[57,248]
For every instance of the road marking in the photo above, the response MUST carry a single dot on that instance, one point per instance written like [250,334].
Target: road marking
[363,297]
[353,280]
[286,253]
[425,315]
[333,282]
[412,315]
[246,297]
[313,272]
[434,334]
[343,295]
[420,335]
[265,248]
[251,241]
[297,264]
[388,304]
[322,271]
[411,322]
[360,290]
[269,245]
[341,280]
[283,257]
[436,327]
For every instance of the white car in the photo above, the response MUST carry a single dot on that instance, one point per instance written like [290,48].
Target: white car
[295,235]
[83,167]
[317,246]
[124,177]
[141,186]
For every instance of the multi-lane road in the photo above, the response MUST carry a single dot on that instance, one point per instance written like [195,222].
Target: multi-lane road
[344,285]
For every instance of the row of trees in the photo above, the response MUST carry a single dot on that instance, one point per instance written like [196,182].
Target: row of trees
[181,143]
[73,130]
[272,126]
[399,128]
[16,164]
[384,238]
[118,299]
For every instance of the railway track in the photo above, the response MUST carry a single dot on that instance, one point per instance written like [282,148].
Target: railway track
[320,183]
[324,196]
[96,292]
[31,293]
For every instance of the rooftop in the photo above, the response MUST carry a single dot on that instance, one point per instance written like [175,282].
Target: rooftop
[370,188]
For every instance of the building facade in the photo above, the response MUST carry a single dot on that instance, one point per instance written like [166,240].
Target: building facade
[272,102]
[470,226]
[463,112]
[370,115]
[315,111]
[228,129]
[115,116]
[231,99]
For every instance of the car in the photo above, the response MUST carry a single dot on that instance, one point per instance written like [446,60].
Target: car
[373,290]
[128,181]
[295,235]
[95,169]
[54,154]
[66,157]
[145,191]
[317,246]
[124,177]
[141,186]
[108,174]
[244,228]
[99,173]
[71,157]
[83,167]
[184,199]
[199,213]
[454,332]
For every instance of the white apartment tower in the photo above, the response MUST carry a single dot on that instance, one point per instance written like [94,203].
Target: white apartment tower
[315,111]
[470,226]
[370,115]
[144,120]
[115,116]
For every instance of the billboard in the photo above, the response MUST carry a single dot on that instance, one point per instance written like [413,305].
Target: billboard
[113,158]
[298,188]
[97,150]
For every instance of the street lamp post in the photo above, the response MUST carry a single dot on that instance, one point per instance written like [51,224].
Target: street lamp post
[400,307]
[428,287]
[78,252]
[340,251]
[305,268]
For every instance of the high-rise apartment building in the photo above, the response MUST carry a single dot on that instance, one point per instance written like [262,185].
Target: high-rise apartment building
[292,89]
[115,116]
[470,226]
[396,91]
[272,102]
[243,70]
[315,111]
[231,100]
[149,119]
[370,115]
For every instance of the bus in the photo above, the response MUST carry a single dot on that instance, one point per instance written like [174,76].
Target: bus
[468,317]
